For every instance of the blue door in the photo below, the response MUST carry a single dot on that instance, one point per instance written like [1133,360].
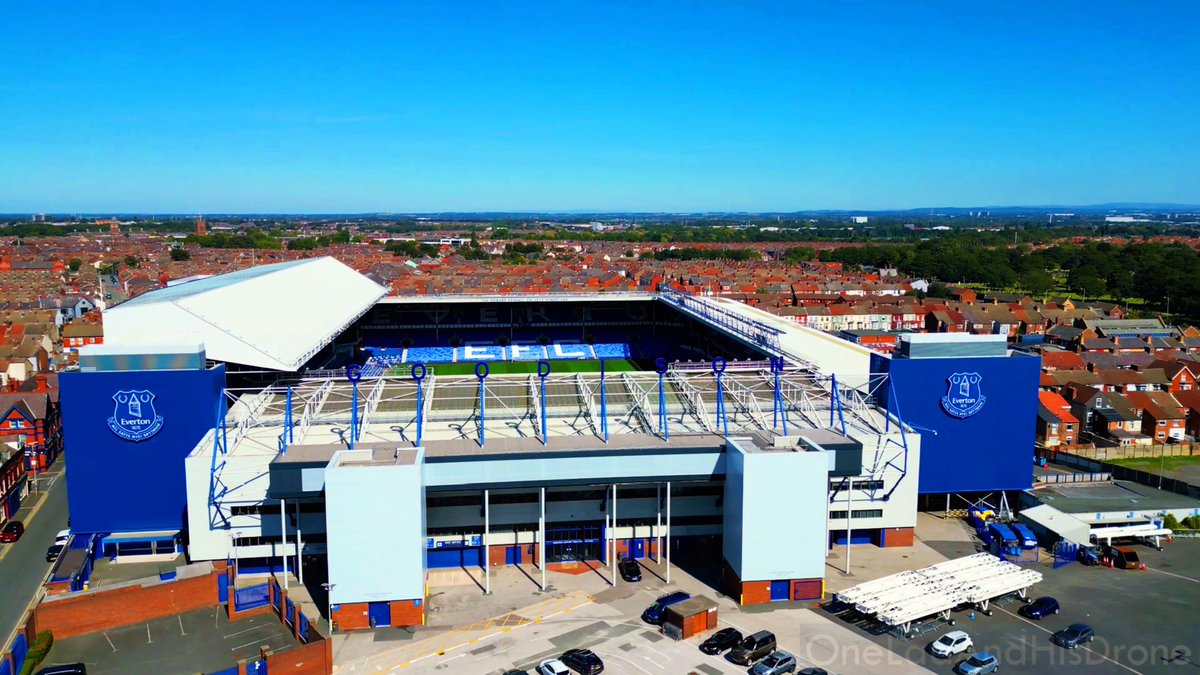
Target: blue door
[779,590]
[380,613]
[512,555]
[441,558]
[638,549]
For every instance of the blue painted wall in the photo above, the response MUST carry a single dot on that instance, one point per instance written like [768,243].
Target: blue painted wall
[990,450]
[119,485]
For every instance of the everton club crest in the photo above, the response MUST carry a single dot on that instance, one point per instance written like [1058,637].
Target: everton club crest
[134,417]
[964,397]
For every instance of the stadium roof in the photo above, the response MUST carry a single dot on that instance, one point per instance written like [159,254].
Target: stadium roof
[273,316]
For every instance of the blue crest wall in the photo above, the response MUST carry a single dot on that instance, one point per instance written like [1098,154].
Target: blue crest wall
[991,449]
[120,485]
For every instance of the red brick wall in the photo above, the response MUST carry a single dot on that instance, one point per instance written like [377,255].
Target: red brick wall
[314,658]
[120,607]
[351,616]
[897,536]
[496,555]
[408,613]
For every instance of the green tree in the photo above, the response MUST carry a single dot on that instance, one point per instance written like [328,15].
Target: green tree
[179,255]
[74,264]
[130,261]
[1037,281]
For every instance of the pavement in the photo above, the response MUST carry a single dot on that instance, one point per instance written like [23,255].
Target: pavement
[23,565]
[201,641]
[584,610]
[1144,621]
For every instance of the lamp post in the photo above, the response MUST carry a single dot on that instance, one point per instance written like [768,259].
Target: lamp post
[329,604]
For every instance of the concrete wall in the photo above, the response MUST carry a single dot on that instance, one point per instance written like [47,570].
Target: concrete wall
[883,459]
[575,467]
[769,496]
[376,520]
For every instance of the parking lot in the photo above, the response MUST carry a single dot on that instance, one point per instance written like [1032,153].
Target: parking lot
[1144,621]
[606,620]
[195,642]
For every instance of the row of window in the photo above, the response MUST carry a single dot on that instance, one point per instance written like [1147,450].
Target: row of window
[466,530]
[865,485]
[865,513]
[599,494]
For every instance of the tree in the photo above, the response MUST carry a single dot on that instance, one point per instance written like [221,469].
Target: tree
[74,264]
[799,254]
[130,261]
[179,255]
[1038,282]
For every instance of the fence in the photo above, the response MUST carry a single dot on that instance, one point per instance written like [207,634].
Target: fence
[1119,472]
[1134,451]
[1086,477]
[251,597]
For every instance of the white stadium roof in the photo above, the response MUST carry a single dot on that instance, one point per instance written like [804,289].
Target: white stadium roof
[273,316]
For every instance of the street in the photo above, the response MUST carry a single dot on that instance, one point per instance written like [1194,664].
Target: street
[23,565]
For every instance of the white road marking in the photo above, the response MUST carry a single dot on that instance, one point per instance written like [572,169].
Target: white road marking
[181,631]
[1172,574]
[609,655]
[459,656]
[1084,647]
[148,640]
[110,642]
[252,628]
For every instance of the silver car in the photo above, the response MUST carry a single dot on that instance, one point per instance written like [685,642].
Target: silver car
[776,663]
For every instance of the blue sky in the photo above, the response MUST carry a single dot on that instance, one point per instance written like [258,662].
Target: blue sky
[641,105]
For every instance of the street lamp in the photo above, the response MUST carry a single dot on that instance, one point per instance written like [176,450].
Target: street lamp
[329,604]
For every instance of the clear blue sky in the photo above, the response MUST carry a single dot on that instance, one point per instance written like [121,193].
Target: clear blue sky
[412,106]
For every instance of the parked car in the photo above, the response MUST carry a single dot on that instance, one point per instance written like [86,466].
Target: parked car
[1088,556]
[1074,635]
[1123,558]
[1040,608]
[53,552]
[776,663]
[630,570]
[12,531]
[516,672]
[979,663]
[954,642]
[656,613]
[813,671]
[722,640]
[583,661]
[63,537]
[753,648]
[65,669]
[552,667]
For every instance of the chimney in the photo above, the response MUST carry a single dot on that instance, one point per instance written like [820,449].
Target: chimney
[201,227]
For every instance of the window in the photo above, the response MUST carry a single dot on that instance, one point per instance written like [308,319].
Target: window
[1068,440]
[16,424]
[865,513]
[1070,427]
[1162,423]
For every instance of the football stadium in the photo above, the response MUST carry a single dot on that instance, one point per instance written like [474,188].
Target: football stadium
[296,419]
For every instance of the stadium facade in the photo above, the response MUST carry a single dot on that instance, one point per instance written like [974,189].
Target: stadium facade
[484,431]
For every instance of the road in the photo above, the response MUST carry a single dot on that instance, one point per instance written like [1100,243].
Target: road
[23,566]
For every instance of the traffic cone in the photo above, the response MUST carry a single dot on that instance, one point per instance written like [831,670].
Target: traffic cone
[1143,567]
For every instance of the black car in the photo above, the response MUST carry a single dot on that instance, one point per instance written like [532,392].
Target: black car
[813,671]
[630,570]
[1040,608]
[1073,636]
[53,552]
[582,661]
[726,638]
[516,672]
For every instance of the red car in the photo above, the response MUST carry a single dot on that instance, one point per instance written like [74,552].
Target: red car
[12,531]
